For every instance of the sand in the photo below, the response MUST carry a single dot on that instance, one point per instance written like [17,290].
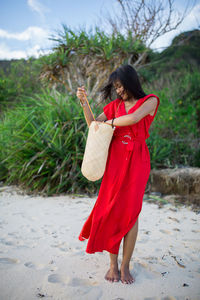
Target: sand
[41,256]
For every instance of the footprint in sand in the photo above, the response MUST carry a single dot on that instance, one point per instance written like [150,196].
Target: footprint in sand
[8,261]
[57,278]
[30,264]
[78,252]
[15,234]
[143,270]
[195,231]
[81,282]
[165,231]
[7,242]
[86,293]
[174,219]
[62,247]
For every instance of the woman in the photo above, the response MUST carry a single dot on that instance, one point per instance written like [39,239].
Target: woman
[115,213]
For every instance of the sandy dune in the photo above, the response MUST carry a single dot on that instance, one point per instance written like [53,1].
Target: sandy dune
[41,256]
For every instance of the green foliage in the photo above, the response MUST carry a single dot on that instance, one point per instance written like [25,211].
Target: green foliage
[86,58]
[174,75]
[42,144]
[174,137]
[96,43]
[19,78]
[181,56]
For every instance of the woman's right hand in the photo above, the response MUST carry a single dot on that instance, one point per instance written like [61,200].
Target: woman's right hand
[81,93]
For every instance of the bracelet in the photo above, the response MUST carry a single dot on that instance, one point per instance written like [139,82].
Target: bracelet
[112,122]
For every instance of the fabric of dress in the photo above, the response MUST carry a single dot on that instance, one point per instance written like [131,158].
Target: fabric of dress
[120,197]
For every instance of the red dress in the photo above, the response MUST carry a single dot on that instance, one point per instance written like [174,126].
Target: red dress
[123,185]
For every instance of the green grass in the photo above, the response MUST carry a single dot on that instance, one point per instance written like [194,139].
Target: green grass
[42,142]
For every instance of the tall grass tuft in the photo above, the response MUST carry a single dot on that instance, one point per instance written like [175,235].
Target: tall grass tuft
[42,143]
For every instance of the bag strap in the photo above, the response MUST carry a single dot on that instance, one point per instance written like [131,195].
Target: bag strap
[89,107]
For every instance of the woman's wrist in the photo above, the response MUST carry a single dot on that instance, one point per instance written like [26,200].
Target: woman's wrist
[108,122]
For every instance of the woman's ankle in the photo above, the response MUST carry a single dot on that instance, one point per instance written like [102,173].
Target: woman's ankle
[125,265]
[114,265]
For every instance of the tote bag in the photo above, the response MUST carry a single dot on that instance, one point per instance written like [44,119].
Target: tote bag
[96,150]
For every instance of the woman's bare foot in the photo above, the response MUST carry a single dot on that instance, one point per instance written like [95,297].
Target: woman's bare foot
[113,274]
[126,276]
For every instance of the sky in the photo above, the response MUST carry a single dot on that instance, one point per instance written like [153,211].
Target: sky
[27,25]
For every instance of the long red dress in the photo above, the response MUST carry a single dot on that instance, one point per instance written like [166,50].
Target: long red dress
[123,185]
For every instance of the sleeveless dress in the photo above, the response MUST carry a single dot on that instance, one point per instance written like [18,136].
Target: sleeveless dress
[123,185]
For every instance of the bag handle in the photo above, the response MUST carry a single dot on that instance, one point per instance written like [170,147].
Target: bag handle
[89,107]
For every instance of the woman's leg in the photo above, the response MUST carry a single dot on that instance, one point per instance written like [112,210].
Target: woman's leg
[113,272]
[128,247]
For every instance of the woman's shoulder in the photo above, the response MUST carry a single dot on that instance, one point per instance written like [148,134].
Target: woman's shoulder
[149,97]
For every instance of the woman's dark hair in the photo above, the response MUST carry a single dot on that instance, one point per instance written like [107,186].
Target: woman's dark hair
[128,77]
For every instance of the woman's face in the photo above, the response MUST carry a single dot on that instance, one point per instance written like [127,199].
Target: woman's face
[120,90]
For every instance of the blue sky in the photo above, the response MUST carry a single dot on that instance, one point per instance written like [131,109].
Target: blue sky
[25,25]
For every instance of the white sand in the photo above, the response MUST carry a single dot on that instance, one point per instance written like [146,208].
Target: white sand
[41,256]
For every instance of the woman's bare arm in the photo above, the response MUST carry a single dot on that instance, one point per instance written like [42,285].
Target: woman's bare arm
[101,117]
[87,112]
[146,108]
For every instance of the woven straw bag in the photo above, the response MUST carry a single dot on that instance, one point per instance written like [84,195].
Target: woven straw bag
[96,150]
[97,147]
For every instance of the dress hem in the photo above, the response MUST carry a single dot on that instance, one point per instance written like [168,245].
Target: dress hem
[110,251]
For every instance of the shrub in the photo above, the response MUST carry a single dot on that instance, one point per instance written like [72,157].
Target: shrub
[42,144]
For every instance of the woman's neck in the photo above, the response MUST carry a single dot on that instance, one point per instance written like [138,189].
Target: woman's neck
[130,100]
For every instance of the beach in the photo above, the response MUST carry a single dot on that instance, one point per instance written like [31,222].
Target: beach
[42,257]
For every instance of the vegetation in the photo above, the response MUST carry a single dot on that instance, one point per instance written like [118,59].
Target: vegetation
[42,130]
[17,78]
[87,58]
[42,142]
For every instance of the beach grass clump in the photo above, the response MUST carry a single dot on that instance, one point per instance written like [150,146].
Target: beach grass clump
[42,143]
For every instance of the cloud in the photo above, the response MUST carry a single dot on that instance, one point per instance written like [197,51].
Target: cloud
[36,6]
[190,22]
[7,53]
[31,33]
[30,42]
[192,19]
